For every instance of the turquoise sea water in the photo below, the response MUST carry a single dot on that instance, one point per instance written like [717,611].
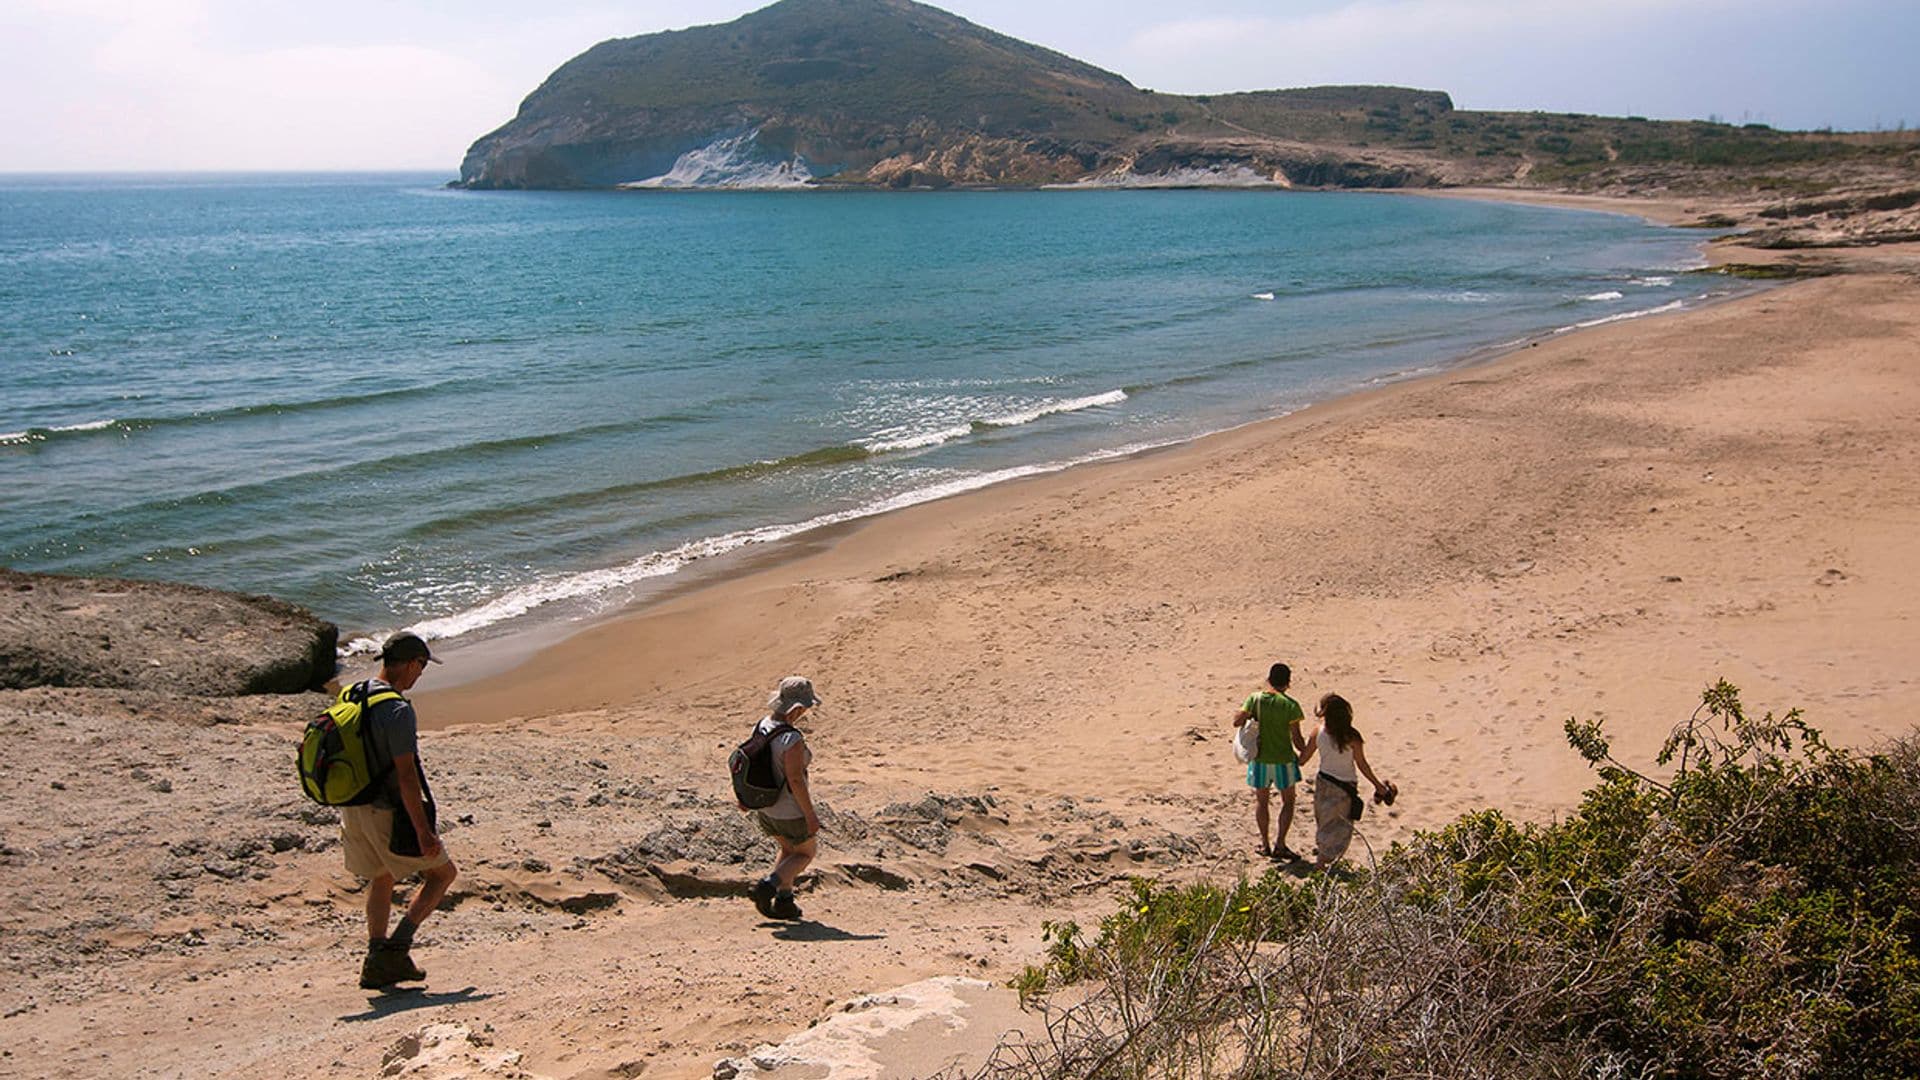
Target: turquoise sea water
[403,405]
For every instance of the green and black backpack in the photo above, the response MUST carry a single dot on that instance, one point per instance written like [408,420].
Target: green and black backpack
[336,756]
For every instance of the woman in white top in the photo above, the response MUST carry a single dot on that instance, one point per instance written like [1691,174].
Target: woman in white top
[791,822]
[1336,794]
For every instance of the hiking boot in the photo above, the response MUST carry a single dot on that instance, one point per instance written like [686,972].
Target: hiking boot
[784,907]
[384,967]
[762,893]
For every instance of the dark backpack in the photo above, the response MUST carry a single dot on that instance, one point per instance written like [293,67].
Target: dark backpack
[755,784]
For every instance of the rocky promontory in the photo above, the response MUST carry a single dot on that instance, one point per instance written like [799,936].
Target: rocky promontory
[897,95]
[143,635]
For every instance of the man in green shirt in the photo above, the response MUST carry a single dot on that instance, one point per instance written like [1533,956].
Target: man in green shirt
[1277,765]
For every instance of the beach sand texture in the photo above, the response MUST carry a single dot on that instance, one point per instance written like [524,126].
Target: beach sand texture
[1597,526]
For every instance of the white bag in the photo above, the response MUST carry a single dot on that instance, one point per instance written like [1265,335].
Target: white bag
[1246,741]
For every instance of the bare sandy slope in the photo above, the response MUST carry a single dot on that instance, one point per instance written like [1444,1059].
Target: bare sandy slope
[1599,526]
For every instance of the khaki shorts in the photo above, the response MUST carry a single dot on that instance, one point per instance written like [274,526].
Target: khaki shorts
[790,829]
[365,832]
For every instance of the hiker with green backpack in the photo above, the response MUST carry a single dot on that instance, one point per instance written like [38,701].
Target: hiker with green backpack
[363,756]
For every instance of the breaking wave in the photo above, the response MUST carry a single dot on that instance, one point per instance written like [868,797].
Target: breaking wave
[1675,305]
[42,434]
[656,564]
[892,440]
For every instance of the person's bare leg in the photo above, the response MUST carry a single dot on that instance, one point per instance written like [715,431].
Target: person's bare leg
[1286,816]
[379,906]
[1262,815]
[793,859]
[434,884]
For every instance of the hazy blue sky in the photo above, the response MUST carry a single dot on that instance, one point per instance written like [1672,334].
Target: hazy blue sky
[346,84]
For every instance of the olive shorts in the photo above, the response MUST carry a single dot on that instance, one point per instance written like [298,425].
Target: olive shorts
[790,829]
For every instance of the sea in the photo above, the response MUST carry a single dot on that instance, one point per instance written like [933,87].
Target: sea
[475,413]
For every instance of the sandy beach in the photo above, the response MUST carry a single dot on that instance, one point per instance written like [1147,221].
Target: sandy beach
[1026,700]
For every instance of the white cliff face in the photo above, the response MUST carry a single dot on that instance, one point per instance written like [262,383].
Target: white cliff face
[735,163]
[1217,175]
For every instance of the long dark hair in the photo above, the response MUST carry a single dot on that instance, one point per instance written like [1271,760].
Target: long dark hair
[1338,714]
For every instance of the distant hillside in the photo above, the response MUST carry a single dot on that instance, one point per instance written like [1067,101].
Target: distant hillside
[891,93]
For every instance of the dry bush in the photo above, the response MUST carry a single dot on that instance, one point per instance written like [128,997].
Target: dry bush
[1754,915]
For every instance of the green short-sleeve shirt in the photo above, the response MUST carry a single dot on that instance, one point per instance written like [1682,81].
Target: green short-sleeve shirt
[1277,714]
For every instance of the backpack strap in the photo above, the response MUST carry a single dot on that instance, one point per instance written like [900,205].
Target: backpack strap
[780,727]
[364,693]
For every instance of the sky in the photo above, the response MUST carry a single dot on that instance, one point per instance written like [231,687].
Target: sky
[160,85]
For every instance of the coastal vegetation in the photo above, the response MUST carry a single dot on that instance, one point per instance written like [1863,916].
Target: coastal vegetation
[1750,910]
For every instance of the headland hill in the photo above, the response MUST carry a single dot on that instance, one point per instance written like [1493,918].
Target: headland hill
[898,95]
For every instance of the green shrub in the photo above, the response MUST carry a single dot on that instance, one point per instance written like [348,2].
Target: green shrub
[1750,911]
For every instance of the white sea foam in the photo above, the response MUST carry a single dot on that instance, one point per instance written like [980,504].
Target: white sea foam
[1653,282]
[887,441]
[1623,316]
[1263,296]
[591,583]
[736,163]
[896,439]
[1399,376]
[33,435]
[1111,397]
[1461,296]
[1608,295]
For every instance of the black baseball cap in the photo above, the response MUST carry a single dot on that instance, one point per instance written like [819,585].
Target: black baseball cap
[406,646]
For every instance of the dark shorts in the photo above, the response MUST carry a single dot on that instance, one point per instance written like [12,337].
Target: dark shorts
[790,829]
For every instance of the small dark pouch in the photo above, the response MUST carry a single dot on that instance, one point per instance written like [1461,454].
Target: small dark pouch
[1359,805]
[404,840]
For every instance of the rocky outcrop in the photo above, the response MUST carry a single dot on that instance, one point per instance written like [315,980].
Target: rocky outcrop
[977,161]
[1243,162]
[901,95]
[145,635]
[830,88]
[895,94]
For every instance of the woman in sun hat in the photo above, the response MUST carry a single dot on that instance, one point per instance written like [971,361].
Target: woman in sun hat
[791,821]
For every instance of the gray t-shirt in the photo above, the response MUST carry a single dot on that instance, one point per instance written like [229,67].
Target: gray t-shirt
[785,808]
[392,731]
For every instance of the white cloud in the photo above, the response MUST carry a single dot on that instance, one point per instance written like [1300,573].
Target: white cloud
[186,84]
[154,85]
[1658,57]
[100,84]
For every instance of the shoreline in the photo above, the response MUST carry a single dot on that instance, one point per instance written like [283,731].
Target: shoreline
[499,656]
[1520,512]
